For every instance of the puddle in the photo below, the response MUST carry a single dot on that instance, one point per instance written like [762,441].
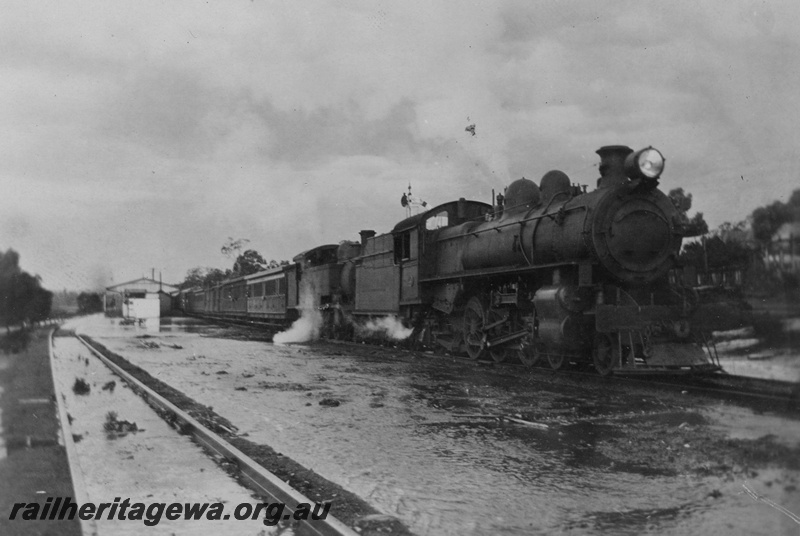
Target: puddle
[769,350]
[15,443]
[5,362]
[15,342]
[743,423]
[768,365]
[672,419]
[3,450]
[791,325]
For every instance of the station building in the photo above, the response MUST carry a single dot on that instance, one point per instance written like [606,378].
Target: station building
[140,298]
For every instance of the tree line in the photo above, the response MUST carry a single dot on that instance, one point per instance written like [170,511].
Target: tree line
[22,297]
[742,244]
[245,262]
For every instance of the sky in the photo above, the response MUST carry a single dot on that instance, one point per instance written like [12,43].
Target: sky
[139,136]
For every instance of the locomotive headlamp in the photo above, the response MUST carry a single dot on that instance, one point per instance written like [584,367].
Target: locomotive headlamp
[645,164]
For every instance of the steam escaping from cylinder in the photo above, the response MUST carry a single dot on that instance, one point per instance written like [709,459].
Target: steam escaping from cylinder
[307,327]
[388,326]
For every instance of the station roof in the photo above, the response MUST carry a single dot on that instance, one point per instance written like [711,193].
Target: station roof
[143,284]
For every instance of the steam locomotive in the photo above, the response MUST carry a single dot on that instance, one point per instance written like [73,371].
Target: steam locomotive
[547,273]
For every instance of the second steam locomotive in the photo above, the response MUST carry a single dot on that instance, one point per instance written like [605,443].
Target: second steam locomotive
[550,273]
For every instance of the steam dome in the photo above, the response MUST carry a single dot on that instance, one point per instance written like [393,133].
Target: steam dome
[522,193]
[554,182]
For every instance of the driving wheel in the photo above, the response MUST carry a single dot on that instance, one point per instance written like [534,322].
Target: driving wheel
[474,320]
[605,353]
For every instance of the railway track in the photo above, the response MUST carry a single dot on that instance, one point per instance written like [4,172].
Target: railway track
[776,394]
[261,480]
[780,395]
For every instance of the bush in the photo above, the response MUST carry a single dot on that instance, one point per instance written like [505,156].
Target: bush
[80,387]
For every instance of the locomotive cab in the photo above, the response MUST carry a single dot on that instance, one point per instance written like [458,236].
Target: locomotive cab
[416,242]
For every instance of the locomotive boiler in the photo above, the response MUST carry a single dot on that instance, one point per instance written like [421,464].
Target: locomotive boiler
[550,271]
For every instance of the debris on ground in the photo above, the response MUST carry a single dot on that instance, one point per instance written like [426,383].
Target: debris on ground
[380,523]
[81,387]
[114,426]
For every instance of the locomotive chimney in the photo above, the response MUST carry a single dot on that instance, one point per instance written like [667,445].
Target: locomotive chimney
[612,165]
[365,235]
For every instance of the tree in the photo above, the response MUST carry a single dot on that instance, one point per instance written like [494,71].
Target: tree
[681,200]
[38,309]
[195,277]
[232,247]
[204,277]
[694,226]
[275,264]
[22,298]
[215,276]
[768,219]
[89,302]
[248,263]
[728,246]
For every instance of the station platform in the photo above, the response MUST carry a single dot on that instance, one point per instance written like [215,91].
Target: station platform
[33,460]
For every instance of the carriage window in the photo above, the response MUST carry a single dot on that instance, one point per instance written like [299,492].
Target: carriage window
[402,246]
[437,222]
[272,287]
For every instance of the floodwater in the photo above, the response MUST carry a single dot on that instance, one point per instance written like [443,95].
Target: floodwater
[407,437]
[743,354]
[153,464]
[4,362]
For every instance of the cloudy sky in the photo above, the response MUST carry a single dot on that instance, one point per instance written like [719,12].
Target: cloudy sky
[140,135]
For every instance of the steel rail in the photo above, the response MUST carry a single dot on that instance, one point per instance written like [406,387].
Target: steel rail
[262,479]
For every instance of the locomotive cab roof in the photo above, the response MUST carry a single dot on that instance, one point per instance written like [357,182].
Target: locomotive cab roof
[319,255]
[458,212]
